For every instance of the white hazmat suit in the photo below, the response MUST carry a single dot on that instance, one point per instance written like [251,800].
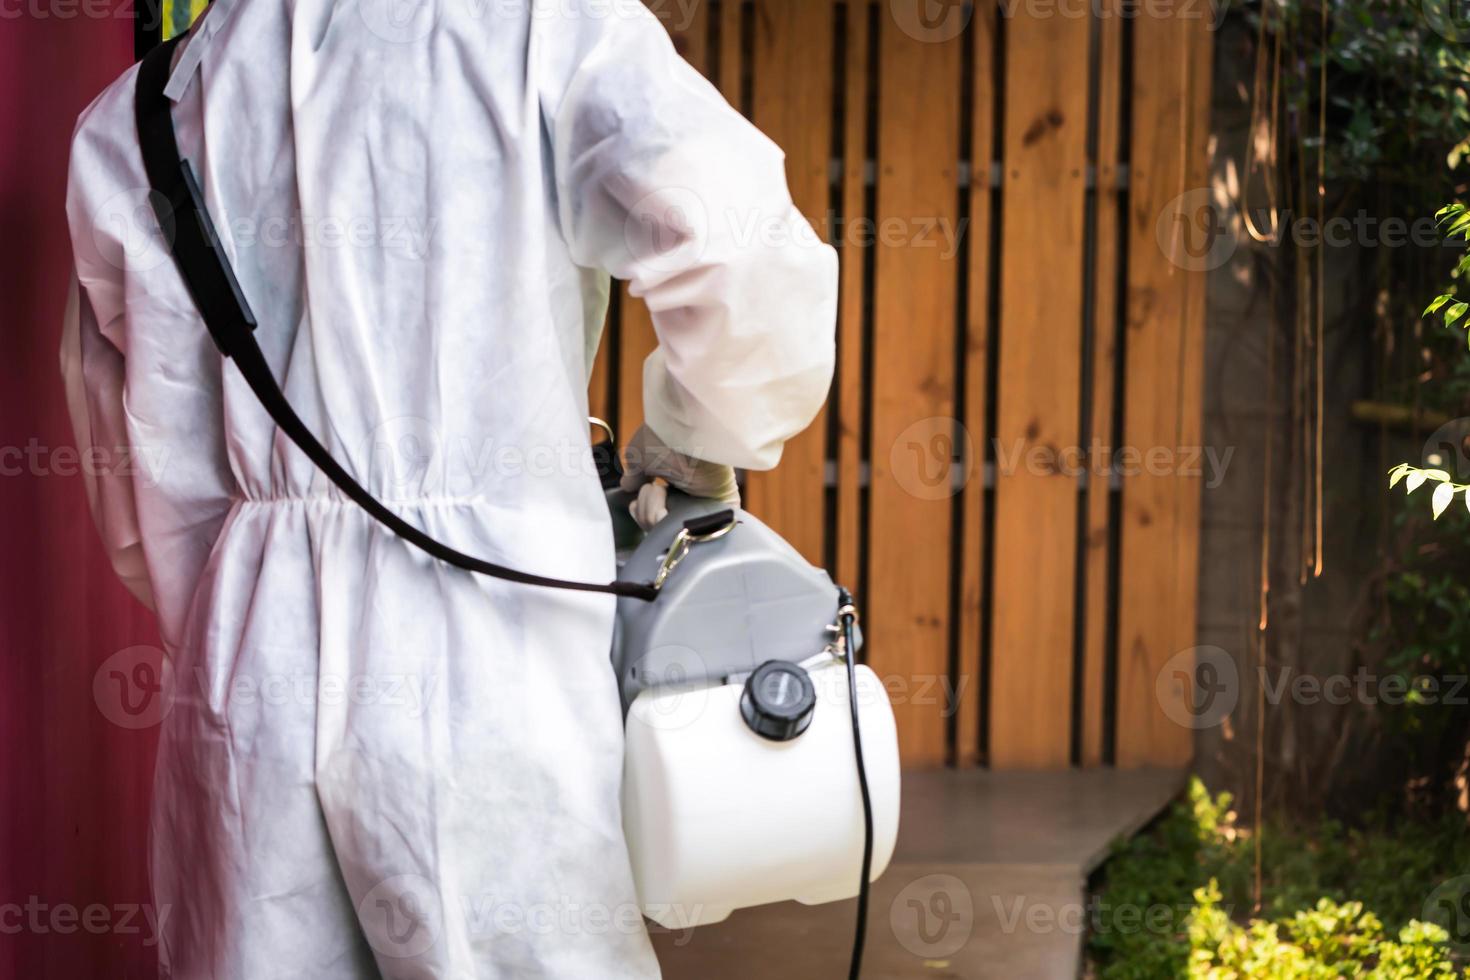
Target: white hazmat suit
[372,763]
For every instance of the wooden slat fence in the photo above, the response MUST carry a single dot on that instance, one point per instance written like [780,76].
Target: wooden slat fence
[993,175]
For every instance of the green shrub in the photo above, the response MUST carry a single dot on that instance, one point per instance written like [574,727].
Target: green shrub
[1326,942]
[1327,893]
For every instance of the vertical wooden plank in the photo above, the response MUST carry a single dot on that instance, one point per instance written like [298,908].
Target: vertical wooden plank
[1159,526]
[1104,363]
[688,28]
[688,24]
[913,380]
[1041,297]
[982,152]
[599,395]
[1198,39]
[851,393]
[637,341]
[792,82]
[731,51]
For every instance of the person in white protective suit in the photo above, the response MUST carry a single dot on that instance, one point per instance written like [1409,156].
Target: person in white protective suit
[373,763]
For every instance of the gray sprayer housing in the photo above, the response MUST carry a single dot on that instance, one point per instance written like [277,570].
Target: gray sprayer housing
[730,605]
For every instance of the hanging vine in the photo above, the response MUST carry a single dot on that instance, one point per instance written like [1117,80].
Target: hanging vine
[1358,117]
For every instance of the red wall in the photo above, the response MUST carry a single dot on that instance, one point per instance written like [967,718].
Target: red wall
[73,786]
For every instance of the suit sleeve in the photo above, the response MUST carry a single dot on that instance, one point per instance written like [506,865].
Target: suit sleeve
[661,183]
[92,370]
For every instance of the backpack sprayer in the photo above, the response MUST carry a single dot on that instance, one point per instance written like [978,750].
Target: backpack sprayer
[736,659]
[760,760]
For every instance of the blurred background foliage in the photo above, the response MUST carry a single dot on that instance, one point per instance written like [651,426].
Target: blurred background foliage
[1394,104]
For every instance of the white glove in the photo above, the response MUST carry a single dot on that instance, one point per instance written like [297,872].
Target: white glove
[647,458]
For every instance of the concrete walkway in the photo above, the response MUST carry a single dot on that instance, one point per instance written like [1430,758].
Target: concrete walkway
[987,882]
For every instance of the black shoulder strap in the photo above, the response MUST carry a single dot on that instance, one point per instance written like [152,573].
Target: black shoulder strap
[197,252]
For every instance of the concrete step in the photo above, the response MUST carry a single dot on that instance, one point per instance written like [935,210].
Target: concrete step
[988,881]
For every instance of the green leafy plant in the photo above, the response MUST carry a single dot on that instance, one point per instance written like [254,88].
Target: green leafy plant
[1456,221]
[1419,633]
[1415,477]
[1326,942]
[1336,901]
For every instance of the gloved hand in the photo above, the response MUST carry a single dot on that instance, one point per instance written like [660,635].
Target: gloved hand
[646,458]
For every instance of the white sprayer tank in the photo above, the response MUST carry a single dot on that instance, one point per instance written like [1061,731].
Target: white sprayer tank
[718,817]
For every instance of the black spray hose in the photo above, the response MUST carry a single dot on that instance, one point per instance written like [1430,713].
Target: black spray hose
[847,618]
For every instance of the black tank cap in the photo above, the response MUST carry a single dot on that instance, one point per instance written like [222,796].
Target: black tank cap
[778,701]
